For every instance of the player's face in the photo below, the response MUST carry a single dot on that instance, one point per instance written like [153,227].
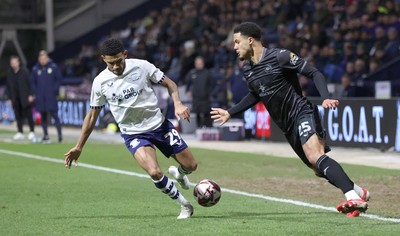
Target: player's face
[242,46]
[116,64]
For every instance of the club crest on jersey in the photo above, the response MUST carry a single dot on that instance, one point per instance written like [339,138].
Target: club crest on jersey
[293,58]
[262,90]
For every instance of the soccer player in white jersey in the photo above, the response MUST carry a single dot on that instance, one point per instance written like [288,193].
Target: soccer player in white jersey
[126,85]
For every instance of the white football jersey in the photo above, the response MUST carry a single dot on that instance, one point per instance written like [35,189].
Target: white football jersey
[131,97]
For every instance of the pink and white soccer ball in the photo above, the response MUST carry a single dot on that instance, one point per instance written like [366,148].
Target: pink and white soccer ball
[207,193]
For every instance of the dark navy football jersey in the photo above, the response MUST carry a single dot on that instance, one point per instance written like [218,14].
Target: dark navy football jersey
[273,81]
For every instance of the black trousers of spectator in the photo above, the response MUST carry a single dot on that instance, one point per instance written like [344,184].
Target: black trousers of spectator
[20,114]
[203,119]
[57,122]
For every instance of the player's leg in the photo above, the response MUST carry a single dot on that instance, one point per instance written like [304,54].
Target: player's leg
[170,143]
[312,138]
[361,192]
[187,164]
[314,151]
[146,158]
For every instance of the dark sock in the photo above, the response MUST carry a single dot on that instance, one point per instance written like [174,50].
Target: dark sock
[321,175]
[183,170]
[334,173]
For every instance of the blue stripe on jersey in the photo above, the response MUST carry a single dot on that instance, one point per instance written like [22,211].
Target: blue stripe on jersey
[161,80]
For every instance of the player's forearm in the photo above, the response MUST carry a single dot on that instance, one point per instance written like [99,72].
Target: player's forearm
[174,92]
[87,128]
[320,83]
[247,102]
[318,78]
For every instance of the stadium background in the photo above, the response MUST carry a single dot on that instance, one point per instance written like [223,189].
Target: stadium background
[159,31]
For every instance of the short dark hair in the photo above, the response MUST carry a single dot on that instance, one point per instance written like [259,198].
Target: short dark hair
[14,57]
[111,47]
[249,29]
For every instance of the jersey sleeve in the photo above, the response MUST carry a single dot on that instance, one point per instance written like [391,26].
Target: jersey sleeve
[289,60]
[154,74]
[247,102]
[97,98]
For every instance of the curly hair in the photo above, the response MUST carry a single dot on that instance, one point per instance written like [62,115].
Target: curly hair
[111,47]
[249,29]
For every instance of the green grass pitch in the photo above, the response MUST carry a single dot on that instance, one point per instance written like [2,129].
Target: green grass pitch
[40,197]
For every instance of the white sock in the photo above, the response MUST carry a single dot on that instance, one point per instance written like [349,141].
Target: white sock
[182,200]
[358,190]
[350,195]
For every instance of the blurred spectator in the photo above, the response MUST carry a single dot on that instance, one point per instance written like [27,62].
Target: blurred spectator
[350,70]
[348,53]
[330,34]
[20,96]
[46,78]
[198,86]
[219,92]
[392,47]
[373,65]
[348,90]
[360,72]
[186,60]
[237,82]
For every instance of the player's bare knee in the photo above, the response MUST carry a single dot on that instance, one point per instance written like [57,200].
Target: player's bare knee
[155,173]
[192,166]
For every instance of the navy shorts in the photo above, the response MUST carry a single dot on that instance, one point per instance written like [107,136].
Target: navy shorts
[307,124]
[166,138]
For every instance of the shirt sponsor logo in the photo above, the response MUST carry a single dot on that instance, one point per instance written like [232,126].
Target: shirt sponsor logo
[126,94]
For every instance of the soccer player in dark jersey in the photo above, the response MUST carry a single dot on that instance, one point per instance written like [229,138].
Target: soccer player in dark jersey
[271,75]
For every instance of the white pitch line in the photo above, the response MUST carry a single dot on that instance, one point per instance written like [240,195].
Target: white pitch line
[260,196]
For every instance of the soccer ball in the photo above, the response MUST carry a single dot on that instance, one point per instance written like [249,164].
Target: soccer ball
[207,193]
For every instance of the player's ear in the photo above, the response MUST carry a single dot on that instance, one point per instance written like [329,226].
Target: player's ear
[125,53]
[250,40]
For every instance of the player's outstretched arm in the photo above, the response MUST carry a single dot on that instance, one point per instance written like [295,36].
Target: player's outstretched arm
[180,109]
[87,128]
[220,115]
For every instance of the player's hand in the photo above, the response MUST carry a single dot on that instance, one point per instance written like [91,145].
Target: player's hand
[182,111]
[72,155]
[220,115]
[330,103]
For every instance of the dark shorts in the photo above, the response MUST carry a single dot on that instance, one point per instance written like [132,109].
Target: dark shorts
[307,124]
[165,138]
